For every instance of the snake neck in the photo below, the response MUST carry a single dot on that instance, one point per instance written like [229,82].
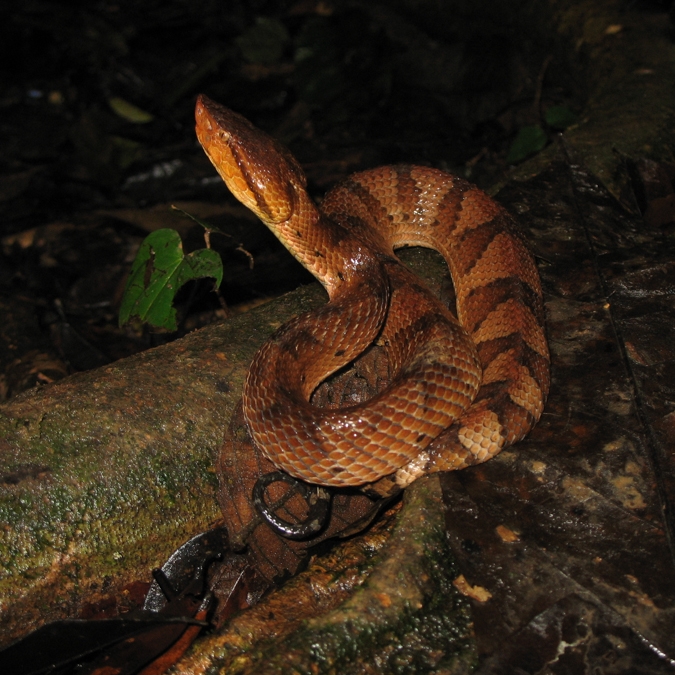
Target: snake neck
[329,251]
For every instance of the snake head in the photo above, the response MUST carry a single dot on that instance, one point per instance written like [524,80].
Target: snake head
[259,171]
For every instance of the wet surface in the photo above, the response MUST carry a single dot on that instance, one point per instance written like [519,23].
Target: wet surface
[570,531]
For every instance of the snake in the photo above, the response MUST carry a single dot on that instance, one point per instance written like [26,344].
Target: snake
[464,385]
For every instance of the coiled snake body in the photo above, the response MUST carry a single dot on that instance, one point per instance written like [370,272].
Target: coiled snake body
[461,390]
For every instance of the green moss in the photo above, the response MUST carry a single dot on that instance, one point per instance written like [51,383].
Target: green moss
[406,618]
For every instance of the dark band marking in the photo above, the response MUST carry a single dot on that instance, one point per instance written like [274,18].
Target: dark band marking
[407,192]
[450,206]
[369,202]
[489,350]
[299,337]
[357,211]
[481,301]
[425,323]
[537,364]
[499,402]
[241,158]
[473,243]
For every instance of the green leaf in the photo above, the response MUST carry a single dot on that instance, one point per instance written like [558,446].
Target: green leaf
[129,111]
[263,42]
[529,141]
[157,274]
[560,117]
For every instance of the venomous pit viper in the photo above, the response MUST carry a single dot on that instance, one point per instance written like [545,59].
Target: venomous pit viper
[462,389]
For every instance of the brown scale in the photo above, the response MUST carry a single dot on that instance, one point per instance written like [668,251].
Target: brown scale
[456,397]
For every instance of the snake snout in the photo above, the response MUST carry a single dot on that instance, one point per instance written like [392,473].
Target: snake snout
[259,172]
